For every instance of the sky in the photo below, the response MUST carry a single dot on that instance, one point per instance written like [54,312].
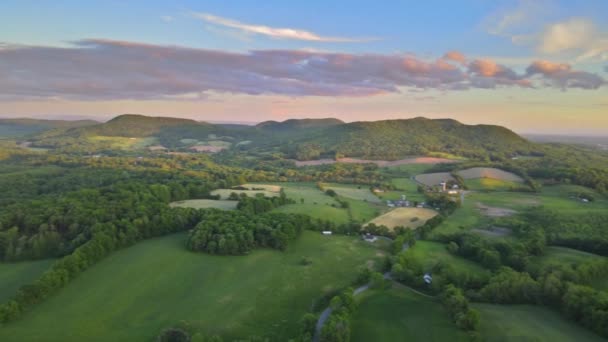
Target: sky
[535,66]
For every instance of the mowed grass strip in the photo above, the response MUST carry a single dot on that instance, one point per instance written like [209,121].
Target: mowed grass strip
[404,217]
[205,203]
[516,323]
[399,314]
[136,292]
[14,275]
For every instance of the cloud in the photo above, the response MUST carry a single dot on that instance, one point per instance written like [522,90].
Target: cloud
[561,75]
[455,56]
[274,32]
[97,69]
[510,22]
[167,18]
[576,33]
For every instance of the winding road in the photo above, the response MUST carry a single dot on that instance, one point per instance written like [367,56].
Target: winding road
[327,312]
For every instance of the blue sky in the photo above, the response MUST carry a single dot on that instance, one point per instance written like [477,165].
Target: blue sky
[524,62]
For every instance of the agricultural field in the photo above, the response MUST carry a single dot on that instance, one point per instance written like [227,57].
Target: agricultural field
[492,184]
[528,323]
[205,203]
[308,192]
[432,179]
[399,314]
[14,275]
[356,192]
[336,214]
[404,217]
[363,211]
[136,292]
[407,171]
[433,253]
[489,172]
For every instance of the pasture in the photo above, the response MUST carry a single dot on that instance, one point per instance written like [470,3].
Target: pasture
[352,191]
[306,193]
[433,253]
[489,172]
[360,211]
[136,292]
[432,179]
[528,323]
[399,314]
[404,217]
[205,203]
[325,212]
[14,275]
[492,184]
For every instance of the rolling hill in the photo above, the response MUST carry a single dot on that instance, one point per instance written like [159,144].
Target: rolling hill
[308,139]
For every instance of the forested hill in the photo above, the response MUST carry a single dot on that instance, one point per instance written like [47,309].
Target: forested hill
[313,138]
[23,126]
[392,139]
[133,125]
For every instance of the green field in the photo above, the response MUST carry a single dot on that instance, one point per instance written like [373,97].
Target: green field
[352,191]
[528,323]
[205,203]
[317,211]
[399,314]
[491,184]
[363,211]
[307,192]
[432,253]
[136,292]
[14,275]
[405,170]
[404,217]
[562,255]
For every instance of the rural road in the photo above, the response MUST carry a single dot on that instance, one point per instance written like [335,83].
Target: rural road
[327,312]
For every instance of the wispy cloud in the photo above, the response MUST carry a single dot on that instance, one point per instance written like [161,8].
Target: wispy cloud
[98,69]
[275,32]
[167,18]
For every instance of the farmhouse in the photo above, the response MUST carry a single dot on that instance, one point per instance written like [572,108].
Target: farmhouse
[326,232]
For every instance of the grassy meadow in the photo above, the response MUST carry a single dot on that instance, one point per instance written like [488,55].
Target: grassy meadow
[14,275]
[506,323]
[136,292]
[404,217]
[399,314]
[432,253]
[353,191]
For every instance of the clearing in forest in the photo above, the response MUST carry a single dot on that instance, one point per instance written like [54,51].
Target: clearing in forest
[404,217]
[205,203]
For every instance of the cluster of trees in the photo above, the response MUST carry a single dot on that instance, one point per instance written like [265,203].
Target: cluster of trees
[238,233]
[457,305]
[562,286]
[337,328]
[580,231]
[260,204]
